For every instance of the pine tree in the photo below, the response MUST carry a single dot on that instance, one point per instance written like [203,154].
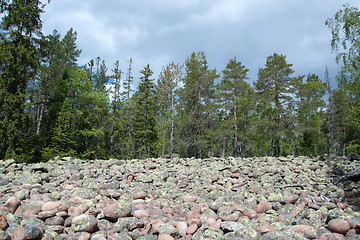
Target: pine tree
[275,86]
[234,92]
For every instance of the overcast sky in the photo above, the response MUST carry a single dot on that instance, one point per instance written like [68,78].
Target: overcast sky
[160,31]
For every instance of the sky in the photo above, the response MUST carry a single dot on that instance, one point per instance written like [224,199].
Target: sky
[157,32]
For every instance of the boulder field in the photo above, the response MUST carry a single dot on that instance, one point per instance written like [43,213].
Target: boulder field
[233,198]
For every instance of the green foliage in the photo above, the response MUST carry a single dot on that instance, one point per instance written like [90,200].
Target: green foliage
[345,30]
[18,63]
[310,104]
[144,128]
[62,143]
[51,107]
[275,88]
[168,81]
[235,97]
[195,105]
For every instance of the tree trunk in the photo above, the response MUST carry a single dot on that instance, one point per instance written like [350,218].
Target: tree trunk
[172,126]
[235,126]
[277,126]
[40,116]
[223,147]
[164,136]
[198,130]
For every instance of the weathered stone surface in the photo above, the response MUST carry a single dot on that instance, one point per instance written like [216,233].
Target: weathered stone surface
[84,223]
[181,228]
[3,222]
[338,225]
[280,235]
[115,211]
[229,198]
[12,204]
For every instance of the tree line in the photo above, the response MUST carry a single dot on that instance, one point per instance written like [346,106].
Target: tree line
[51,106]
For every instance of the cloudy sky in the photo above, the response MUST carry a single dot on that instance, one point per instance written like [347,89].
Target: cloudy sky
[160,31]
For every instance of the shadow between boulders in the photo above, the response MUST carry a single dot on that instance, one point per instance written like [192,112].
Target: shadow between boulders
[345,174]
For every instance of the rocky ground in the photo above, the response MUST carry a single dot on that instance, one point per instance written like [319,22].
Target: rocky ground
[232,198]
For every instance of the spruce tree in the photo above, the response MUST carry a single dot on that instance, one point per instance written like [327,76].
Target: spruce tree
[20,26]
[145,110]
[195,97]
[309,116]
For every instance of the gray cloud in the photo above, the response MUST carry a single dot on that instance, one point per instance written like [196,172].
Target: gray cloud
[161,31]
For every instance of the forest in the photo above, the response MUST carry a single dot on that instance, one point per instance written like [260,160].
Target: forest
[51,106]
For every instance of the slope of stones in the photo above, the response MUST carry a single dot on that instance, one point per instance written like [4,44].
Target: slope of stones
[233,198]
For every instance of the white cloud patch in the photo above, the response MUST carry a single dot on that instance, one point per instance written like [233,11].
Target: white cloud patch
[160,31]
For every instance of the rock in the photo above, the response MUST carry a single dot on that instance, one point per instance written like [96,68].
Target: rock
[232,217]
[12,204]
[19,234]
[78,210]
[338,225]
[3,222]
[125,223]
[45,215]
[192,229]
[30,229]
[230,226]
[140,214]
[22,194]
[49,206]
[250,213]
[115,211]
[216,224]
[267,228]
[4,235]
[98,237]
[262,207]
[56,220]
[291,199]
[331,236]
[193,214]
[305,230]
[28,209]
[165,237]
[82,236]
[181,228]
[167,229]
[147,237]
[139,195]
[118,236]
[84,223]
[280,235]
[211,233]
[190,198]
[341,205]
[105,225]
